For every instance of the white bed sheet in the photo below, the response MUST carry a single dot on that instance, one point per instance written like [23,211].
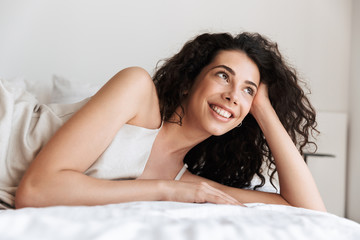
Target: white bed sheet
[175,221]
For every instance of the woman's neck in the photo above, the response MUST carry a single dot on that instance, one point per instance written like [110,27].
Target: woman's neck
[178,140]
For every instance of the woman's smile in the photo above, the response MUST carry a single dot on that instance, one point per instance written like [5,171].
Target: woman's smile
[221,111]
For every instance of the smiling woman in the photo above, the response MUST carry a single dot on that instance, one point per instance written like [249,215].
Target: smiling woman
[244,148]
[186,116]
[226,86]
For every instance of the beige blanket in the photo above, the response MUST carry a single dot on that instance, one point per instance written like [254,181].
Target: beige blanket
[25,126]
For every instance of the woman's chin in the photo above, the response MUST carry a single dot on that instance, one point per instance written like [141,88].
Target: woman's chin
[218,131]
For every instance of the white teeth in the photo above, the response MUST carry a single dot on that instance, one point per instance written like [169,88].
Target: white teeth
[221,111]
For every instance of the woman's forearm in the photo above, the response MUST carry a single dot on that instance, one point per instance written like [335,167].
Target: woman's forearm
[72,188]
[69,187]
[242,195]
[251,196]
[297,185]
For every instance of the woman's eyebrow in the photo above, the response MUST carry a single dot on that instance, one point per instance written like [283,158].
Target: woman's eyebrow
[251,83]
[226,67]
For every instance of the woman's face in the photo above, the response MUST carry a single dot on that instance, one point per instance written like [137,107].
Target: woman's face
[222,93]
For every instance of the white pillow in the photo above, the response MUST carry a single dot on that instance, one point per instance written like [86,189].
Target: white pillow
[66,91]
[40,90]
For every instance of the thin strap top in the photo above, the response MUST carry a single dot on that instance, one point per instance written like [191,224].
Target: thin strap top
[181,173]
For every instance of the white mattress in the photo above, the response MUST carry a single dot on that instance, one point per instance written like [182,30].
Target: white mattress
[175,221]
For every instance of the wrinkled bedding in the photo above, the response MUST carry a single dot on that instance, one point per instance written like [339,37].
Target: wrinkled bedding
[25,126]
[172,220]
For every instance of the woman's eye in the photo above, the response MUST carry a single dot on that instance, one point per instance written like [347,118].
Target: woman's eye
[249,90]
[223,76]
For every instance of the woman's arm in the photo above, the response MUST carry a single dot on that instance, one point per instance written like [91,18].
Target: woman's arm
[297,185]
[56,176]
[56,172]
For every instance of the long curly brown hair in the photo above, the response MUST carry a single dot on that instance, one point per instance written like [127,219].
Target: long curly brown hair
[235,157]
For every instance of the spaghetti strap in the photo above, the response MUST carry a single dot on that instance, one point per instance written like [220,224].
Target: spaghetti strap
[182,171]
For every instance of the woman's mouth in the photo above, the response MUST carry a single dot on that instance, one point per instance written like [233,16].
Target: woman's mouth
[220,111]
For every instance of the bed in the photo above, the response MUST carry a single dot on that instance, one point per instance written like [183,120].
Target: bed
[164,220]
[171,220]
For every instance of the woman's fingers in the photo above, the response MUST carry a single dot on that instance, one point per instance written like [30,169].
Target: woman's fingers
[207,193]
[199,192]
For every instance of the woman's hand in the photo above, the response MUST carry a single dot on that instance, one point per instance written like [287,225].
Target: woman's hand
[261,99]
[196,192]
[290,165]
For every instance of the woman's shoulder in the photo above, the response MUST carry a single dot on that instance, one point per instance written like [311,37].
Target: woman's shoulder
[135,74]
[135,81]
[137,90]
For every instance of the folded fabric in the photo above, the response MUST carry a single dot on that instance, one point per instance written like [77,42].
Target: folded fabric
[25,126]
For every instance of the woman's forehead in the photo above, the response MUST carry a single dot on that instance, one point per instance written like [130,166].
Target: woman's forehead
[236,62]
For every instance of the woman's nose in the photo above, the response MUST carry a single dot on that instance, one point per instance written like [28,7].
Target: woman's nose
[233,97]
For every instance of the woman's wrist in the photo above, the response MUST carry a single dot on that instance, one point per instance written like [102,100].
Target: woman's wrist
[262,111]
[163,190]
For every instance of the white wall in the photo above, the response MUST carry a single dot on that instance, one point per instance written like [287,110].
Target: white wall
[353,200]
[91,40]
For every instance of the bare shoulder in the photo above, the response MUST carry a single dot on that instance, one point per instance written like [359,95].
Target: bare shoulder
[133,78]
[134,74]
[133,88]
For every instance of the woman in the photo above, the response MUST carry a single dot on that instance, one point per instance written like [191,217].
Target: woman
[212,106]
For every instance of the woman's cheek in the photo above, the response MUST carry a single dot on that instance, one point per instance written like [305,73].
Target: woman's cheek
[247,102]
